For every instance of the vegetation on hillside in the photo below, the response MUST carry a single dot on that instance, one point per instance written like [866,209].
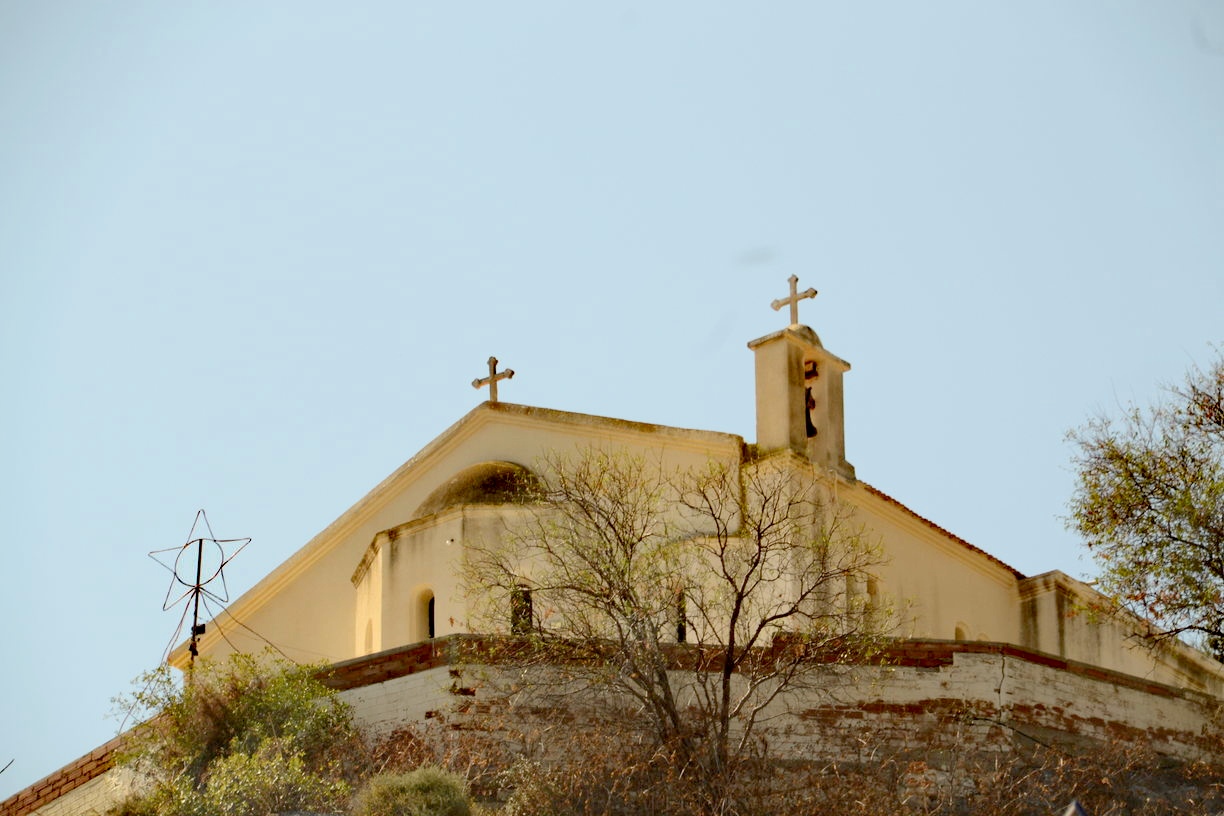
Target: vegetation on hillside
[612,769]
[252,736]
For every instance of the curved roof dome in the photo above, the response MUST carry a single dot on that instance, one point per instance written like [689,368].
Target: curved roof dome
[485,483]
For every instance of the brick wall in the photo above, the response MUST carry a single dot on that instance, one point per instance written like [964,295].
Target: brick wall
[80,787]
[930,696]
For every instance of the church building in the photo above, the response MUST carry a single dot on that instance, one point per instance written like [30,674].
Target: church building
[385,573]
[378,592]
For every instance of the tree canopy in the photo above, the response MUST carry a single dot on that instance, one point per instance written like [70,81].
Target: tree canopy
[1150,504]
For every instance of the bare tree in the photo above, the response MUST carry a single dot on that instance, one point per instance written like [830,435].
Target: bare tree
[700,595]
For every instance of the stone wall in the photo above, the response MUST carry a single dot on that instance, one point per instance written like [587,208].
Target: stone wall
[996,698]
[417,685]
[932,697]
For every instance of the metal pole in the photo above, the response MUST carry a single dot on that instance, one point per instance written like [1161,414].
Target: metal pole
[195,614]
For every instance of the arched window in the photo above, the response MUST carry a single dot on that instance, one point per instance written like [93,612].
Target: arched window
[424,624]
[520,610]
[962,633]
[681,617]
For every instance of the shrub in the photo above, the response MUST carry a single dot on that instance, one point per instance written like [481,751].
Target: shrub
[232,707]
[536,790]
[271,780]
[247,736]
[423,792]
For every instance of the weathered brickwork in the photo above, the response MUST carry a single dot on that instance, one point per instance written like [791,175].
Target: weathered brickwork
[379,668]
[383,707]
[990,700]
[930,697]
[81,787]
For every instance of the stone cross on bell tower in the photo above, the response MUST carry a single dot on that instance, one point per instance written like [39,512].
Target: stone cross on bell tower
[793,300]
[799,397]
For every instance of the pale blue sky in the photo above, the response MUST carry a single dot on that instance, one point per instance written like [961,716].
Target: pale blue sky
[252,256]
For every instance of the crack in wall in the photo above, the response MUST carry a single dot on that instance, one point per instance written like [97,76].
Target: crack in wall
[999,688]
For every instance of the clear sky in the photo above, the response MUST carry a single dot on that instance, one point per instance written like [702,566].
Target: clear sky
[252,256]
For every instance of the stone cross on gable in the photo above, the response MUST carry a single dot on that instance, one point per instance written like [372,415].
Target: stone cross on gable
[491,380]
[793,300]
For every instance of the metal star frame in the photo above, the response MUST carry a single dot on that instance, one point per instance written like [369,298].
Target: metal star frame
[197,585]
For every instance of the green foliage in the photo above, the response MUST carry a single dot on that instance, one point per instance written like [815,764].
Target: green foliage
[273,779]
[247,733]
[1150,505]
[423,792]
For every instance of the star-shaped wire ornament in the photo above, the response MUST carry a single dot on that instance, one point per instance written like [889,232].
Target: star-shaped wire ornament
[195,577]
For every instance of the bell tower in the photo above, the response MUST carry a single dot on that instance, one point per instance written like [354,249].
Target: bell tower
[799,400]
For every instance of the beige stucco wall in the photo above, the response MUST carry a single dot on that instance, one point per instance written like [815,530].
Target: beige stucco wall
[309,608]
[936,581]
[1065,617]
[418,561]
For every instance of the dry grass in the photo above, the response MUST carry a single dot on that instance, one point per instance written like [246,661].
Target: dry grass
[608,770]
